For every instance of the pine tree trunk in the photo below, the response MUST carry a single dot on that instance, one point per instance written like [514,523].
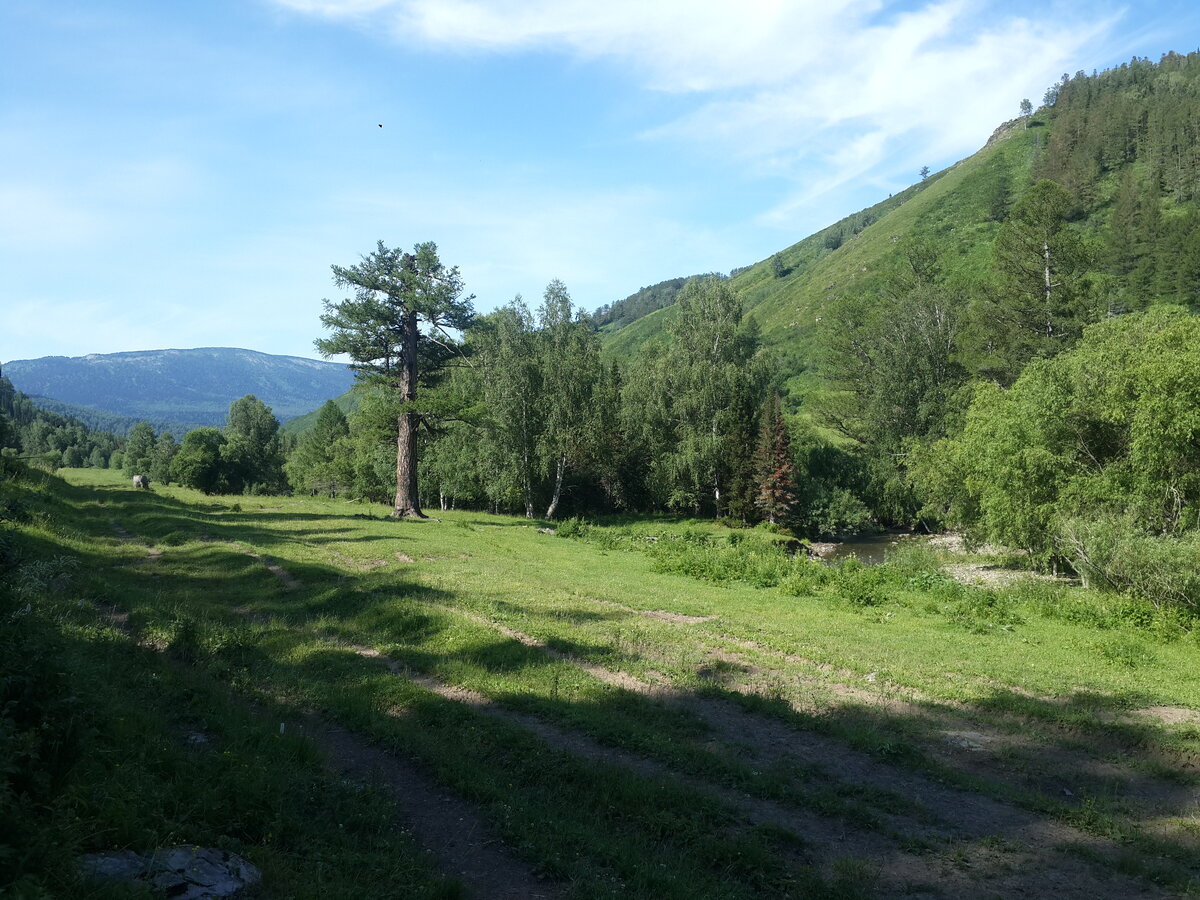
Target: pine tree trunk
[407,504]
[558,480]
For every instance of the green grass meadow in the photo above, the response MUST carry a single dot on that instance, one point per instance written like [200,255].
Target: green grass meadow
[637,708]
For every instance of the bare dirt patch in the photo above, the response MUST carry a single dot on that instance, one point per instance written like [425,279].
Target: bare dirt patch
[1171,715]
[674,618]
[360,565]
[661,615]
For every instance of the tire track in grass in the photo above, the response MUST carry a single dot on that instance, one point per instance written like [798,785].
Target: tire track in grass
[1027,839]
[830,838]
[446,827]
[153,554]
[289,581]
[977,744]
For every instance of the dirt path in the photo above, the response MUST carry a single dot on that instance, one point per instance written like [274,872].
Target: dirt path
[448,828]
[831,837]
[289,581]
[153,554]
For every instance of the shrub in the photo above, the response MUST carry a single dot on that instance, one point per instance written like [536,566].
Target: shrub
[573,527]
[844,513]
[806,577]
[982,611]
[860,584]
[1112,553]
[692,553]
[910,559]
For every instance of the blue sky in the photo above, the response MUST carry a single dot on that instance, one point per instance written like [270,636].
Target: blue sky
[182,174]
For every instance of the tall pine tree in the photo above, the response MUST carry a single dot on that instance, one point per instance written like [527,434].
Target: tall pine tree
[399,329]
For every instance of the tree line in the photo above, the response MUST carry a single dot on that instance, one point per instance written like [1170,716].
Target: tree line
[33,433]
[515,411]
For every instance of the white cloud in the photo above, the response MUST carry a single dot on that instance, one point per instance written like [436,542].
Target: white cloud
[777,83]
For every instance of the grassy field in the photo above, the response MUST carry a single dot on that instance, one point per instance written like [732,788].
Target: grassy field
[472,707]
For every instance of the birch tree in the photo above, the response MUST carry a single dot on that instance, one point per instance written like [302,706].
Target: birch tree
[570,364]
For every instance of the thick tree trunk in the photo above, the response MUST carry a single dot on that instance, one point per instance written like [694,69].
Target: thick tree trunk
[558,480]
[408,504]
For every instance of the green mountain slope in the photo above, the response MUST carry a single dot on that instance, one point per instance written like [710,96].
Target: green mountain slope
[956,204]
[347,403]
[1122,142]
[615,316]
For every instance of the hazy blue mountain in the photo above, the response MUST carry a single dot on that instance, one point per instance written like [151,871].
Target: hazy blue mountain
[191,387]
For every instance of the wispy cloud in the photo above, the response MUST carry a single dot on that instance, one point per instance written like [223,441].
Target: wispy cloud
[777,84]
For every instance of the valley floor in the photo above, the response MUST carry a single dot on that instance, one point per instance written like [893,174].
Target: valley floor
[468,706]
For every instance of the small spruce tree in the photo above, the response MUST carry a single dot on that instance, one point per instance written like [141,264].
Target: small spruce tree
[774,469]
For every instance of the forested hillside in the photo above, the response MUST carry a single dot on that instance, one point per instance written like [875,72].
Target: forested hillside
[49,438]
[180,389]
[616,316]
[1123,145]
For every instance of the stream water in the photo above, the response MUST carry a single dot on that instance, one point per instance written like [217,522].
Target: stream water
[871,548]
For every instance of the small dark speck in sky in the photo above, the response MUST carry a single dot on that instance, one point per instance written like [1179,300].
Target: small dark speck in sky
[380,126]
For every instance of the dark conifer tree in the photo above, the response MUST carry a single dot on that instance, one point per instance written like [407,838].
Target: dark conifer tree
[398,328]
[774,470]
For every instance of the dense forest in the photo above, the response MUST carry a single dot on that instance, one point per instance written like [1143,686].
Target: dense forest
[642,302]
[49,438]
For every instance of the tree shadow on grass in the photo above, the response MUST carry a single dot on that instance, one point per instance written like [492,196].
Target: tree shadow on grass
[1006,789]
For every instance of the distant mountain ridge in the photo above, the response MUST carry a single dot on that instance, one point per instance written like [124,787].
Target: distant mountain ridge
[186,388]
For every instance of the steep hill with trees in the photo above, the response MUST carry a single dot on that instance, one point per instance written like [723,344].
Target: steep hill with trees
[48,438]
[1122,144]
[642,302]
